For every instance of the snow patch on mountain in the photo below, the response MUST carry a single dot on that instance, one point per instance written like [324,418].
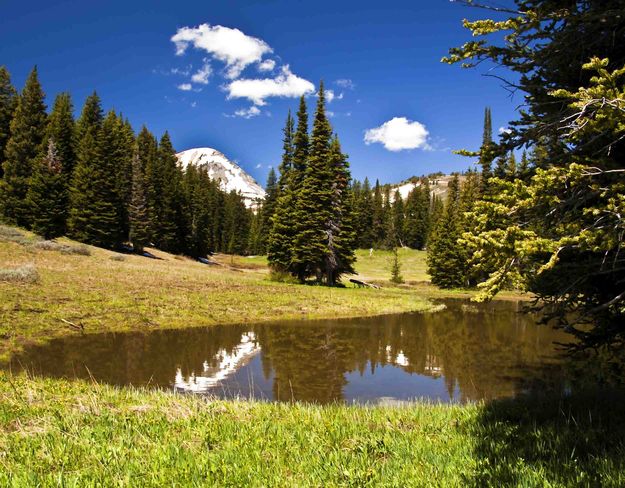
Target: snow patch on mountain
[229,174]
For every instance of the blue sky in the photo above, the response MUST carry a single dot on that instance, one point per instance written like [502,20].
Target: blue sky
[219,84]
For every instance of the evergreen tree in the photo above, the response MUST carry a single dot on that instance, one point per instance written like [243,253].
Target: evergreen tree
[138,209]
[93,217]
[417,222]
[396,231]
[511,168]
[266,211]
[61,129]
[524,170]
[24,144]
[168,226]
[501,169]
[396,276]
[8,102]
[283,229]
[117,153]
[314,200]
[288,149]
[445,259]
[436,211]
[378,221]
[339,229]
[487,150]
[364,217]
[47,194]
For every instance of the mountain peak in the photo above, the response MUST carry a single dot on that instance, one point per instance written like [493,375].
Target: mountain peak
[230,175]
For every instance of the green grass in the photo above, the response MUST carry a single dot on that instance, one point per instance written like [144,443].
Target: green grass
[377,267]
[59,433]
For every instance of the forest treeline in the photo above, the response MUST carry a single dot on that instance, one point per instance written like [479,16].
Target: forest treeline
[98,182]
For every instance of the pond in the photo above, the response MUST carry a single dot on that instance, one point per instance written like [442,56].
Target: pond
[467,352]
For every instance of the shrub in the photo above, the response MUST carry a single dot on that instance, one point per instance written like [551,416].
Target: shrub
[64,248]
[22,274]
[118,257]
[81,250]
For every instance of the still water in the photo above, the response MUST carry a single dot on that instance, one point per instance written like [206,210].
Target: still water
[463,353]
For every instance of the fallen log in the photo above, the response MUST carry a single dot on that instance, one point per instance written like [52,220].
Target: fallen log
[363,284]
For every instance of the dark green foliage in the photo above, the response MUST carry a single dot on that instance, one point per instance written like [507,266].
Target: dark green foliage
[93,216]
[47,194]
[281,236]
[446,260]
[396,276]
[417,221]
[139,232]
[363,218]
[395,233]
[312,232]
[25,142]
[236,225]
[8,102]
[487,150]
[117,152]
[264,216]
[61,129]
[378,223]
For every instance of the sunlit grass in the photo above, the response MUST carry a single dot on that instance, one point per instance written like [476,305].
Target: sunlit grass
[59,433]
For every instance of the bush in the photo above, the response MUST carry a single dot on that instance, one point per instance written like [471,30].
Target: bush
[64,248]
[11,234]
[22,274]
[118,257]
[282,277]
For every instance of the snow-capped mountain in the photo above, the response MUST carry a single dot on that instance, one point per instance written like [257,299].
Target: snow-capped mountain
[230,175]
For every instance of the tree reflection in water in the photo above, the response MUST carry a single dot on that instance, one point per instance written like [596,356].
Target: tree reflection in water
[463,353]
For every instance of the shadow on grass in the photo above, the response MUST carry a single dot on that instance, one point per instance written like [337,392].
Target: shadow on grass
[546,440]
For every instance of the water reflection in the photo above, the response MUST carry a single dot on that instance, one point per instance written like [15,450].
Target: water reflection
[463,353]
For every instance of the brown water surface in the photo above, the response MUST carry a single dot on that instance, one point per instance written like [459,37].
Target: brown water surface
[467,352]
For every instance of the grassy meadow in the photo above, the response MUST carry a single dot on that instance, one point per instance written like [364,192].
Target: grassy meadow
[59,433]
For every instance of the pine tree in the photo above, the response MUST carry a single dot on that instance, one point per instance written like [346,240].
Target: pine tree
[396,231]
[93,217]
[266,211]
[501,169]
[167,218]
[47,194]
[313,204]
[364,217]
[24,144]
[117,152]
[445,260]
[417,223]
[61,129]
[511,167]
[396,276]
[288,149]
[487,150]
[340,228]
[524,170]
[8,102]
[139,222]
[283,229]
[378,221]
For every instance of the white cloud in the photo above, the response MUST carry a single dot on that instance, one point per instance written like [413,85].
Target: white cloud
[504,130]
[267,65]
[246,113]
[398,134]
[258,166]
[202,75]
[331,96]
[231,46]
[185,87]
[286,84]
[330,113]
[345,83]
[181,71]
[193,104]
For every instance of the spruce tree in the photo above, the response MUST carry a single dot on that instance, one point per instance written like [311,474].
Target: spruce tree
[313,204]
[378,222]
[283,229]
[138,209]
[8,102]
[288,149]
[61,129]
[487,150]
[417,223]
[47,194]
[93,217]
[511,168]
[266,211]
[340,227]
[396,231]
[445,257]
[24,144]
[364,217]
[524,170]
